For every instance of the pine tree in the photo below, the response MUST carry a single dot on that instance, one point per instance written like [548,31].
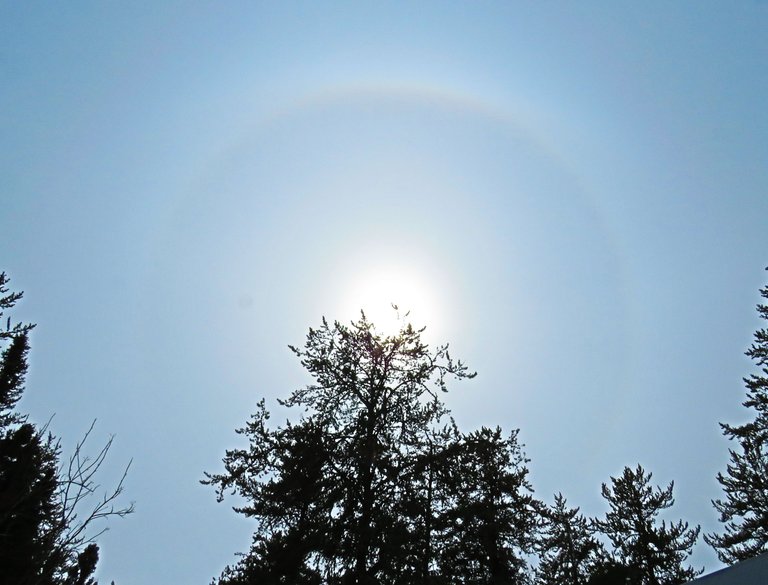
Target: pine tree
[489,528]
[29,504]
[568,550]
[422,499]
[655,551]
[293,502]
[13,362]
[45,536]
[336,484]
[29,509]
[744,510]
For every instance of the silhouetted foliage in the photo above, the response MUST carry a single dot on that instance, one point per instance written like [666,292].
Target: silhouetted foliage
[490,526]
[568,551]
[609,572]
[29,507]
[371,485]
[46,535]
[80,573]
[13,361]
[744,510]
[651,549]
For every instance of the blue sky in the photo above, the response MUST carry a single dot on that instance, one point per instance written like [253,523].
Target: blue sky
[573,194]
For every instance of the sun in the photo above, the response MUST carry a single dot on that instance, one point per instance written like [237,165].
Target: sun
[390,297]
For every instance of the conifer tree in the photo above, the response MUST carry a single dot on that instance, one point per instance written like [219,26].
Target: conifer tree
[338,481]
[489,528]
[29,509]
[29,506]
[423,499]
[45,536]
[568,550]
[13,362]
[653,551]
[744,509]
[293,502]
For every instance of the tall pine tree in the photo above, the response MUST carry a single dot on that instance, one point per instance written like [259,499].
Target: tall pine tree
[744,509]
[45,536]
[568,550]
[488,530]
[338,494]
[653,551]
[29,504]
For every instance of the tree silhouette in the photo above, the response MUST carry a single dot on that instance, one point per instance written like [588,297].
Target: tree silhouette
[652,551]
[45,531]
[371,485]
[293,502]
[29,508]
[568,551]
[744,510]
[489,527]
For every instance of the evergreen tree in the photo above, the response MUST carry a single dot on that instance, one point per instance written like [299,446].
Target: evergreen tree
[44,532]
[29,509]
[568,550]
[13,362]
[338,483]
[293,502]
[744,510]
[423,497]
[489,527]
[652,550]
[29,505]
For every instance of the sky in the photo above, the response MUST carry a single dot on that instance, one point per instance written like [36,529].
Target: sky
[574,196]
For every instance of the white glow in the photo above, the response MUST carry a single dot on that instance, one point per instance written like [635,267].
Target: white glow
[374,291]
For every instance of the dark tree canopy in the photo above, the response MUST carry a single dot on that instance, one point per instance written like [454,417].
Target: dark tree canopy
[374,483]
[490,525]
[13,361]
[649,551]
[744,509]
[45,533]
[609,572]
[568,550]
[29,508]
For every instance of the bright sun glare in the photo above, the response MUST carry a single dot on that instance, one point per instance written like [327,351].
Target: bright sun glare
[377,290]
